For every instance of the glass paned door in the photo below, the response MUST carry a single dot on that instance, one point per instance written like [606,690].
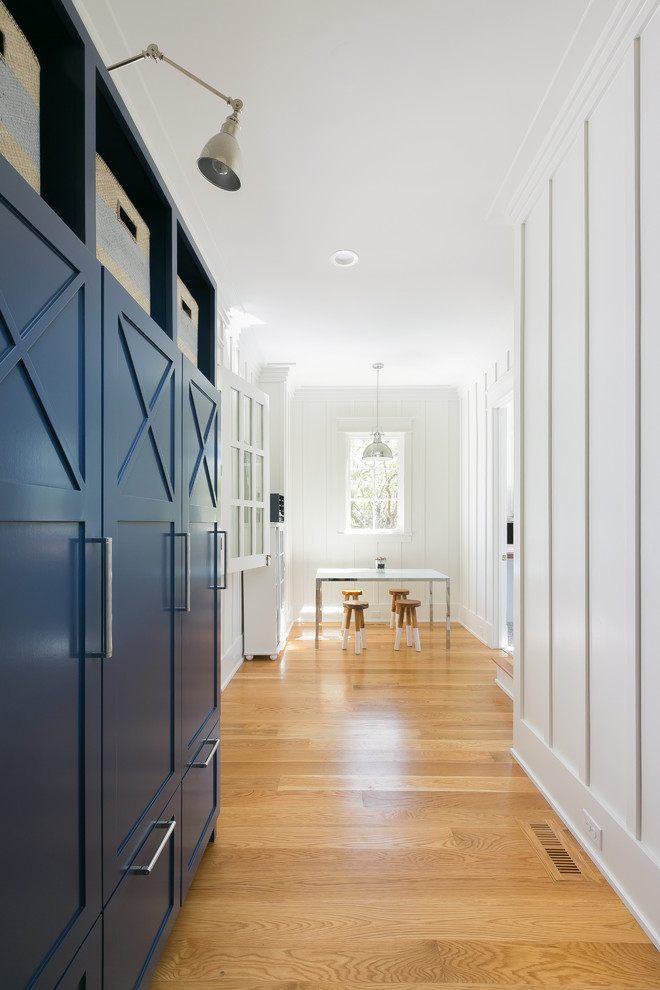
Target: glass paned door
[244,512]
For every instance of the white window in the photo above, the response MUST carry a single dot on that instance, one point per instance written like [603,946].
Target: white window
[375,491]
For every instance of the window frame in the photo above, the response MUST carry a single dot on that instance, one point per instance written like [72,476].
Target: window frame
[367,436]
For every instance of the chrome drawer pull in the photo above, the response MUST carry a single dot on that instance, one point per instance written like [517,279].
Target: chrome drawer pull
[144,871]
[202,765]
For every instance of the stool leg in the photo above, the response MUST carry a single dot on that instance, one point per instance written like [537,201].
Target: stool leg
[343,619]
[393,613]
[416,631]
[348,622]
[408,627]
[363,631]
[358,636]
[399,630]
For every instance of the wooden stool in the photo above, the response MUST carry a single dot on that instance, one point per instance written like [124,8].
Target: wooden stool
[357,609]
[409,607]
[350,594]
[396,594]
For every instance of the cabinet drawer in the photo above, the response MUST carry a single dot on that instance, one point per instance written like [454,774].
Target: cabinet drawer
[142,910]
[85,970]
[199,805]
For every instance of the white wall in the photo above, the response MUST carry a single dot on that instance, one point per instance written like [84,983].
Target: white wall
[588,362]
[320,419]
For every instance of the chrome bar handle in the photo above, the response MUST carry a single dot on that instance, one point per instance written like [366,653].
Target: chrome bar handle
[106,546]
[144,871]
[186,595]
[222,586]
[105,613]
[203,764]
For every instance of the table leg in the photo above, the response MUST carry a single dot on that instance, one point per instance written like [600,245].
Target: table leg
[431,606]
[319,614]
[448,615]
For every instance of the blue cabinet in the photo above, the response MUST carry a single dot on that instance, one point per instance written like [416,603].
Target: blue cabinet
[141,912]
[199,803]
[141,514]
[198,620]
[50,589]
[86,968]
[110,553]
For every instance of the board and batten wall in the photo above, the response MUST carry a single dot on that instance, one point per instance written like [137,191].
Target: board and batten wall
[321,418]
[587,687]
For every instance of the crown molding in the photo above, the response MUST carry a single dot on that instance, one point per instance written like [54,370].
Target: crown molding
[333,392]
[591,60]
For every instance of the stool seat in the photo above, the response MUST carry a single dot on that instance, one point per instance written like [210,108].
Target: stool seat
[407,608]
[396,594]
[350,594]
[357,609]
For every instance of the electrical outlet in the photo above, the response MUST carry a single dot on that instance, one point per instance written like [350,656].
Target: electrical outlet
[593,830]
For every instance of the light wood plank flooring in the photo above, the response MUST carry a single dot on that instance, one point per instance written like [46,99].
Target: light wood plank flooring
[373,833]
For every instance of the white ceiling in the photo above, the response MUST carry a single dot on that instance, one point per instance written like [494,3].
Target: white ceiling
[375,125]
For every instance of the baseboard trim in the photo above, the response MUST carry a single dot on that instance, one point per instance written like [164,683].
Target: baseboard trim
[627,858]
[480,628]
[231,661]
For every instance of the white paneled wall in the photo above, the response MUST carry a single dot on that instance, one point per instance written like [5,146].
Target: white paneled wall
[568,632]
[612,358]
[650,434]
[535,681]
[320,420]
[588,363]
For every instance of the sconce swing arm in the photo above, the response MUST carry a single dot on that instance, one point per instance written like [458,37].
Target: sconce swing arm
[154,52]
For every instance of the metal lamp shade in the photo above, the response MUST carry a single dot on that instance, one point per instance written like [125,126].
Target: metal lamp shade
[377,450]
[220,160]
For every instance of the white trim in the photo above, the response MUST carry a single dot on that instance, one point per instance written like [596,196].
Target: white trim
[504,682]
[440,394]
[403,532]
[536,160]
[500,393]
[366,424]
[232,661]
[625,863]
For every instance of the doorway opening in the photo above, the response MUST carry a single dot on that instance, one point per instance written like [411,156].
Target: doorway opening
[505,523]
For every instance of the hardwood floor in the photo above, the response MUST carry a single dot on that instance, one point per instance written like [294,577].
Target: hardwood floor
[374,832]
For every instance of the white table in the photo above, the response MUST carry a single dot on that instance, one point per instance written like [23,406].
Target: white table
[395,576]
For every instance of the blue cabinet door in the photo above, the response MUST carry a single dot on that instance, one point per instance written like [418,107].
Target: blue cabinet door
[86,970]
[199,624]
[141,510]
[199,627]
[50,584]
[200,790]
[141,912]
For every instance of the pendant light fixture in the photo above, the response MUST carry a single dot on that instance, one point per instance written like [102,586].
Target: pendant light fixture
[220,158]
[377,450]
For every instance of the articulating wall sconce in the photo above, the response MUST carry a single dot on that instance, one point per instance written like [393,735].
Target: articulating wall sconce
[220,159]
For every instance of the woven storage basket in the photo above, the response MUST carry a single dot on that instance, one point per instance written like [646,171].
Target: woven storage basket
[19,101]
[122,236]
[187,321]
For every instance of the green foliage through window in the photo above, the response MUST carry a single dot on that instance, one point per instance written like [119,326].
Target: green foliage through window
[374,488]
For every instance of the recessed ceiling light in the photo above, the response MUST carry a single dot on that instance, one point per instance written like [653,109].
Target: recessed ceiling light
[344,259]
